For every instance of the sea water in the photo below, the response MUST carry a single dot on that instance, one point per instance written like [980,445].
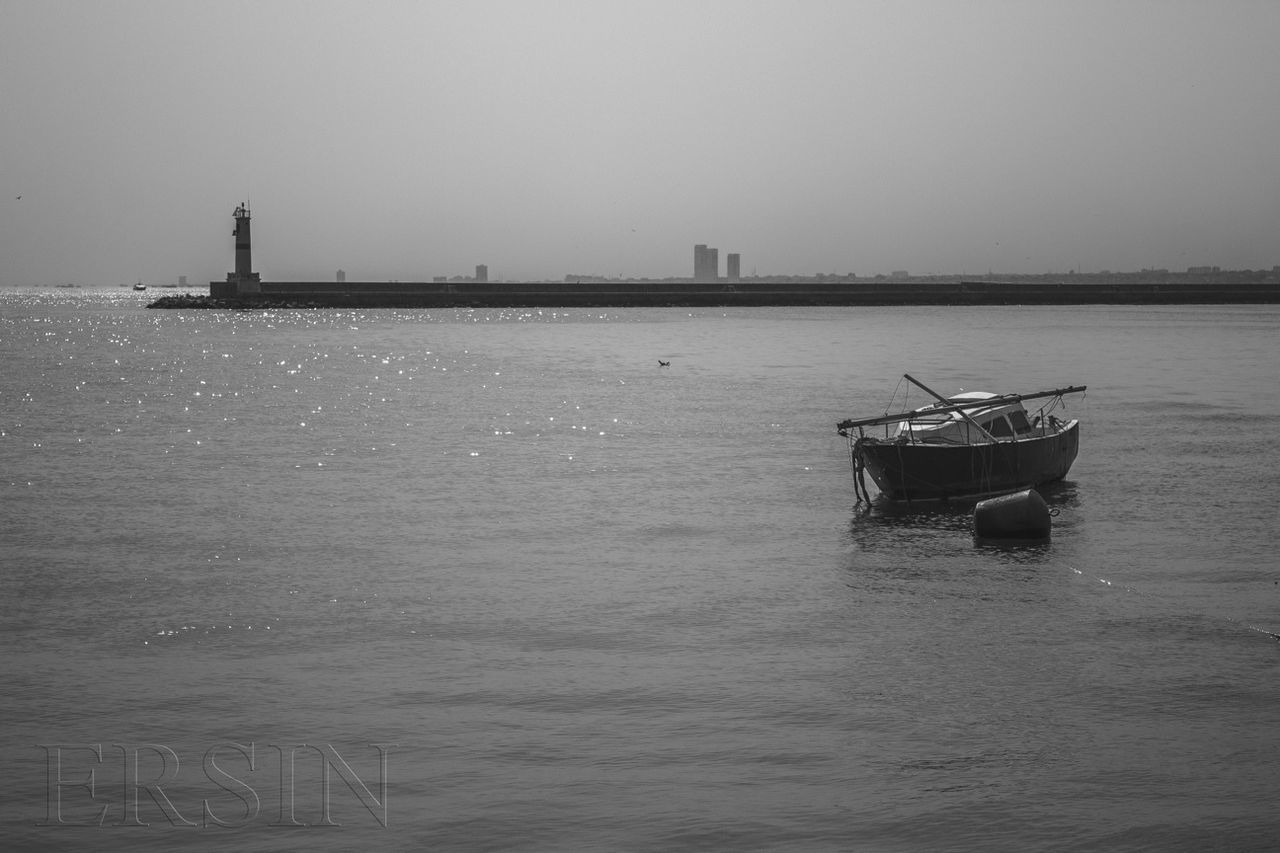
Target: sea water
[496,580]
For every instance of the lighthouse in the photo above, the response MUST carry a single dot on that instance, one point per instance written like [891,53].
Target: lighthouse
[244,279]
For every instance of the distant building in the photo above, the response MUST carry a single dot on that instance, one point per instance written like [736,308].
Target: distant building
[1203,270]
[733,267]
[182,281]
[342,276]
[482,272]
[706,263]
[899,274]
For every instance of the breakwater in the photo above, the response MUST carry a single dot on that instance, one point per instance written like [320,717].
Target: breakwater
[754,293]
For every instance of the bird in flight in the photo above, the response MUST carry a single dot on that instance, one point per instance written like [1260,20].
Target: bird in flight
[662,363]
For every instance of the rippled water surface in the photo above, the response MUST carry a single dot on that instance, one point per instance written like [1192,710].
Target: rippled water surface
[560,598]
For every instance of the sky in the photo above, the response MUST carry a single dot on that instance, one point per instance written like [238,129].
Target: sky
[408,140]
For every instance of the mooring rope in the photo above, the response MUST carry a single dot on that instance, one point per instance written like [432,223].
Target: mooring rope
[858,466]
[1185,611]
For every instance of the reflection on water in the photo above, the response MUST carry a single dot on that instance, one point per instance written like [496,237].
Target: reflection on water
[1064,494]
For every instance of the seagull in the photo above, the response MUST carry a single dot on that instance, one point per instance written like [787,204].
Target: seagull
[662,363]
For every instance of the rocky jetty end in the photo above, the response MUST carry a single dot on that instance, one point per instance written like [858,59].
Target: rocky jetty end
[191,300]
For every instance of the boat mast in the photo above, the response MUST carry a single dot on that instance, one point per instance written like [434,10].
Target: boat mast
[998,400]
[945,401]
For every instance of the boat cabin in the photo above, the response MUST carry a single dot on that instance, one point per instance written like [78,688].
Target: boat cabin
[1003,421]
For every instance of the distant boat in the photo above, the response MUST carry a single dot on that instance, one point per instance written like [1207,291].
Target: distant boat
[139,286]
[971,445]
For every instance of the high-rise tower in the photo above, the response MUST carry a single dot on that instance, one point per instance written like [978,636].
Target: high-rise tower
[706,263]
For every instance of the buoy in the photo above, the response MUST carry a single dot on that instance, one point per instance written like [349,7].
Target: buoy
[1022,515]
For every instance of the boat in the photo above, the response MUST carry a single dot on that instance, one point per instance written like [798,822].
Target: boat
[970,446]
[139,286]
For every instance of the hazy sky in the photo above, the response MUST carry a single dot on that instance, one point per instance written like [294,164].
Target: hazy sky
[542,137]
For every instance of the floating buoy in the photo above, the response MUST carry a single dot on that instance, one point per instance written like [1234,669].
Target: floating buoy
[1022,515]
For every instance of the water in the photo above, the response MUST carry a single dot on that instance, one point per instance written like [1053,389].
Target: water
[583,602]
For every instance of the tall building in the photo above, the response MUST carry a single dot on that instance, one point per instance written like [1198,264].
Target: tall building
[733,267]
[482,272]
[341,276]
[706,263]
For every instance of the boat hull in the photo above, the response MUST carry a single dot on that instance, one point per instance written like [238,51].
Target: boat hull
[932,472]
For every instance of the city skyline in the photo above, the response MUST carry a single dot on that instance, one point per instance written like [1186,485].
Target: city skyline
[403,141]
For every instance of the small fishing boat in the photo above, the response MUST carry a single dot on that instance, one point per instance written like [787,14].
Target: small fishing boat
[969,446]
[139,286]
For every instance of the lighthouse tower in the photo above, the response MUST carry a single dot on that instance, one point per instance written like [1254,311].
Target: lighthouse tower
[244,279]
